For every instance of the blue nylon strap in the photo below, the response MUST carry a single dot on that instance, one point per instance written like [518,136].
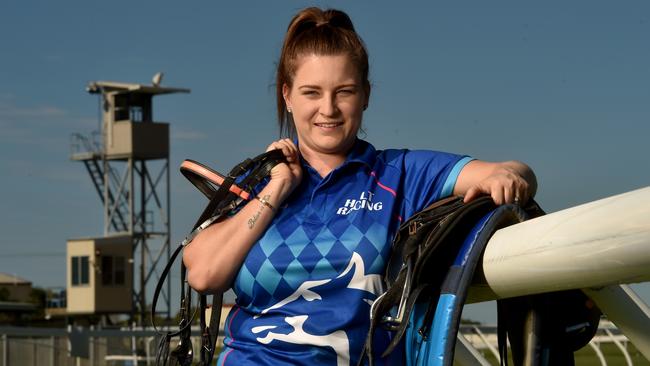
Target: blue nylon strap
[432,351]
[470,240]
[434,348]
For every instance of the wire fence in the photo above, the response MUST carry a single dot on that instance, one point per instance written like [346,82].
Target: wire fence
[74,346]
[78,347]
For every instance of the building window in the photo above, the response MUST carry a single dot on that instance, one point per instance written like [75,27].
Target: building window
[113,270]
[80,270]
[135,113]
[107,270]
[120,264]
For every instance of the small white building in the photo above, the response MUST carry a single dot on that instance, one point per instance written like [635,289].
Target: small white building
[100,275]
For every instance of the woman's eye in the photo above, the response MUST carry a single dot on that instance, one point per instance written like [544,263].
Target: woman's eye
[310,92]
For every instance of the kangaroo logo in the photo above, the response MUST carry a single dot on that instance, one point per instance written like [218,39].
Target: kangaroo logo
[292,329]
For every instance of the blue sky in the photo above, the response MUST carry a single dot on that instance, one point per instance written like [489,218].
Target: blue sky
[562,86]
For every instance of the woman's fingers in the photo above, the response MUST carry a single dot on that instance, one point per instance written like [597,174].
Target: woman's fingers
[288,148]
[502,188]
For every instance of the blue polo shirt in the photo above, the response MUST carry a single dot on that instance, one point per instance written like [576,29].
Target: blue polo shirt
[305,288]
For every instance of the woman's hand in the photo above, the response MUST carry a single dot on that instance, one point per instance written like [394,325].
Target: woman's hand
[506,182]
[286,177]
[216,253]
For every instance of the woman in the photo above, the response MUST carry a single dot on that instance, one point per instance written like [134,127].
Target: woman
[306,257]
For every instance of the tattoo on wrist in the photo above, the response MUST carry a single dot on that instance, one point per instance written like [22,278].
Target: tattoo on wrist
[253,220]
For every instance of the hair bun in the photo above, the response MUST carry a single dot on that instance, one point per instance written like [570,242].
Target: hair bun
[337,18]
[314,17]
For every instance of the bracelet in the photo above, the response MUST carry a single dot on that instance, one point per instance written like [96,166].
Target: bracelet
[265,203]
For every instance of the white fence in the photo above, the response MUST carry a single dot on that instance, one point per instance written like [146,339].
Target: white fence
[132,346]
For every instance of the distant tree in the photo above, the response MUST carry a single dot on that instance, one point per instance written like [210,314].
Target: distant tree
[4,294]
[38,296]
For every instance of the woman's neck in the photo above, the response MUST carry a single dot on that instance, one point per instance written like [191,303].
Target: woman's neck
[322,163]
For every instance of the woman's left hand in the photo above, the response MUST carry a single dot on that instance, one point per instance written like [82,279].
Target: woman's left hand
[506,182]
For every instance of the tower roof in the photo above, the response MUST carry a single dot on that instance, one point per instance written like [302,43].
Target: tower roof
[97,87]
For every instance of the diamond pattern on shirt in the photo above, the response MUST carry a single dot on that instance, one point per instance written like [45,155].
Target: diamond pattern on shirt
[270,276]
[325,241]
[295,273]
[272,239]
[284,259]
[297,242]
[310,256]
[350,237]
[246,281]
[323,269]
[299,246]
[376,234]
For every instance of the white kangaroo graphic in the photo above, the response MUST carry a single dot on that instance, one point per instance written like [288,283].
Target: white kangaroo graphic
[338,340]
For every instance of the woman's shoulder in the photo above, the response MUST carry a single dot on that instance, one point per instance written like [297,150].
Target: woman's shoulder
[405,157]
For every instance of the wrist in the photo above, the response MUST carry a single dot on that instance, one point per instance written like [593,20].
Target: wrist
[280,188]
[277,191]
[264,200]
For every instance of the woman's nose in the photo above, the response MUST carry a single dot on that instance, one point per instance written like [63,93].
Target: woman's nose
[328,106]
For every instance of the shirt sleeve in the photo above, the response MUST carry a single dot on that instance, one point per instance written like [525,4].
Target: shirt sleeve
[429,176]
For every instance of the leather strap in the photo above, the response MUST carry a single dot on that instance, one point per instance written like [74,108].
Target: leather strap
[223,200]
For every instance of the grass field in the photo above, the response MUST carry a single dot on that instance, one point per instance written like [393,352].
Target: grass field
[587,357]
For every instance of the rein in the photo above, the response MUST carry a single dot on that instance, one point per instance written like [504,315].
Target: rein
[226,194]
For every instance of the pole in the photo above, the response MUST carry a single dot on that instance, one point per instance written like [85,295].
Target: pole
[52,351]
[143,246]
[168,241]
[5,351]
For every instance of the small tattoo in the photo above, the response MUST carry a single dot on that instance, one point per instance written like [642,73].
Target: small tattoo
[253,220]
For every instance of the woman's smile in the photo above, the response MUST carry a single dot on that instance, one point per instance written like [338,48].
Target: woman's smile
[328,125]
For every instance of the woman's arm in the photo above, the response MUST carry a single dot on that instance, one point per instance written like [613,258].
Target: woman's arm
[215,255]
[504,181]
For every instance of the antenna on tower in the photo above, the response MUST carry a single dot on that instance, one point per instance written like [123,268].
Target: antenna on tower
[157,79]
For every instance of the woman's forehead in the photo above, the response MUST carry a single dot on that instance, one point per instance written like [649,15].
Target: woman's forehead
[325,69]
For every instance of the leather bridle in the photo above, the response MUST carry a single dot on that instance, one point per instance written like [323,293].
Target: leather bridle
[226,194]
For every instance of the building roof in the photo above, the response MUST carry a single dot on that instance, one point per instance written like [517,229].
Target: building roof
[8,279]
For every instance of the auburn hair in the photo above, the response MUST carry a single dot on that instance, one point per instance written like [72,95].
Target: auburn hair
[319,32]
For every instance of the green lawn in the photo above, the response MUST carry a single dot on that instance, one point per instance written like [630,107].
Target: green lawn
[587,357]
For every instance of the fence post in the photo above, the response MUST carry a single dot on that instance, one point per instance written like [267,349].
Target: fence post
[34,351]
[5,351]
[52,351]
[91,339]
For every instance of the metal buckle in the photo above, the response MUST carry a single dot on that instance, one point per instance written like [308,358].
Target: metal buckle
[393,323]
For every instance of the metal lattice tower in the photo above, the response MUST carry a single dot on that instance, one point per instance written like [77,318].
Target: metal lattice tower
[128,163]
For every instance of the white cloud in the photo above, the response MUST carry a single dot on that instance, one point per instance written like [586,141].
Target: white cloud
[40,125]
[11,110]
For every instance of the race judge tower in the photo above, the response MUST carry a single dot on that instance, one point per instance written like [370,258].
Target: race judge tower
[128,162]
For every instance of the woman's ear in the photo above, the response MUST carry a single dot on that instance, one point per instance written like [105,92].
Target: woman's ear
[285,95]
[367,91]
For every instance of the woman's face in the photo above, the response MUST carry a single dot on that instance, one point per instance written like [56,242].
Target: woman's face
[326,100]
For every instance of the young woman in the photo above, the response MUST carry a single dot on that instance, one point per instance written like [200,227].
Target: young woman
[306,257]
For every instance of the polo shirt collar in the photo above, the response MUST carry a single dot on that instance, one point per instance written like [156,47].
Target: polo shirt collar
[361,152]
